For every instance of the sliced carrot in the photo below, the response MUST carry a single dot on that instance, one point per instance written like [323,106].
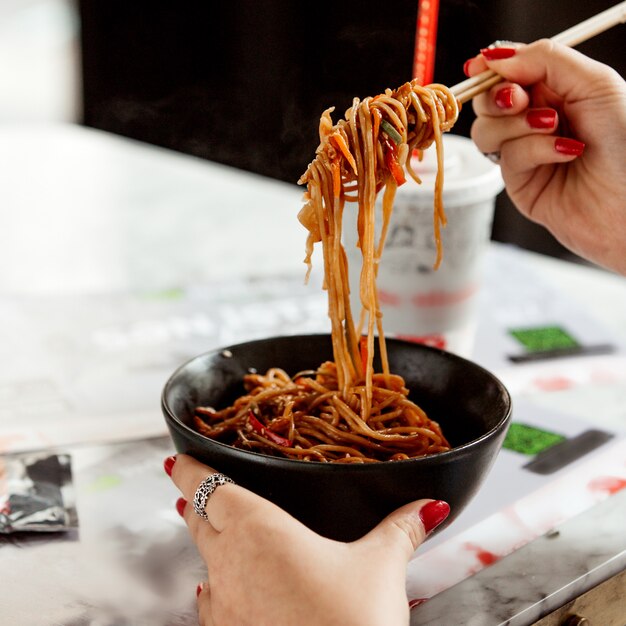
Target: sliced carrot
[340,143]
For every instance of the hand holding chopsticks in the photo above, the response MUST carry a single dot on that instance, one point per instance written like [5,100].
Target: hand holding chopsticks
[557,127]
[471,87]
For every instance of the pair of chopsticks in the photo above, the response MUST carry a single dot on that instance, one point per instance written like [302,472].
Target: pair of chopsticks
[571,37]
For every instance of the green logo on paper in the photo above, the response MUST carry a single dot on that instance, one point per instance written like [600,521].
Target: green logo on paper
[543,338]
[529,439]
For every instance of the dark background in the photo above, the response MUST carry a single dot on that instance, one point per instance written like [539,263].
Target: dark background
[243,82]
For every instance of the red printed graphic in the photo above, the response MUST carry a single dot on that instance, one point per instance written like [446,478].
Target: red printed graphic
[389,298]
[434,341]
[484,556]
[555,383]
[443,298]
[607,484]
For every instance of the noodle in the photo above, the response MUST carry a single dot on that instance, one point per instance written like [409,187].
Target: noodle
[344,412]
[309,418]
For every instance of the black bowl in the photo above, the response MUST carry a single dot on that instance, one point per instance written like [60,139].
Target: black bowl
[340,501]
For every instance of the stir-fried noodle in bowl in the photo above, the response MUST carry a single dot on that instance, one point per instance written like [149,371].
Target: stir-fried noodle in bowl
[344,411]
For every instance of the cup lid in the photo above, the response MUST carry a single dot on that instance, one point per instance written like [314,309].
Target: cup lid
[468,175]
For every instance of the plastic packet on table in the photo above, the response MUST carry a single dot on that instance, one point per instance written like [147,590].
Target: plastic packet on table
[36,493]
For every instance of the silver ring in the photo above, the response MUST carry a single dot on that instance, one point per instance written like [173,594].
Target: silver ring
[205,490]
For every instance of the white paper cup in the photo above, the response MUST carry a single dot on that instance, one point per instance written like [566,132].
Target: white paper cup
[419,303]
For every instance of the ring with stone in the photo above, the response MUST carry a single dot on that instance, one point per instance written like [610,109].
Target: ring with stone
[205,490]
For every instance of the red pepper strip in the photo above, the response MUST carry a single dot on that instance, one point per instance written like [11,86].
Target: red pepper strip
[391,161]
[266,432]
[363,350]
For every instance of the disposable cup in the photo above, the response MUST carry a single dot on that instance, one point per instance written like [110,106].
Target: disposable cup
[419,303]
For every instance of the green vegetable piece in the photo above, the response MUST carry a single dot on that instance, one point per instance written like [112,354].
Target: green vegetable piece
[393,134]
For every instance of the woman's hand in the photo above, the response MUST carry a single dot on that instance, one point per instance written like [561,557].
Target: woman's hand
[559,124]
[267,569]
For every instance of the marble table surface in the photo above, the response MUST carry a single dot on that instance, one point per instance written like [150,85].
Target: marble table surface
[539,577]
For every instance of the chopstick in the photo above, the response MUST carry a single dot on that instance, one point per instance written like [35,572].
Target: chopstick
[587,29]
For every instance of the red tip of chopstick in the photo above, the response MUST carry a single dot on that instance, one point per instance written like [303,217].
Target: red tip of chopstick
[425,41]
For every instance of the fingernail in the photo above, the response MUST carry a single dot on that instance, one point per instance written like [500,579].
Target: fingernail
[504,98]
[541,118]
[495,54]
[180,506]
[199,589]
[571,147]
[168,464]
[466,67]
[433,513]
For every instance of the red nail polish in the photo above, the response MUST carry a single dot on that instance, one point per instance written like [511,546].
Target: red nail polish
[466,67]
[168,464]
[198,590]
[433,513]
[541,118]
[571,147]
[504,98]
[495,54]
[180,506]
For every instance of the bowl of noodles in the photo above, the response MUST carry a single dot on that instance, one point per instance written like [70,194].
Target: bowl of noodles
[269,414]
[341,429]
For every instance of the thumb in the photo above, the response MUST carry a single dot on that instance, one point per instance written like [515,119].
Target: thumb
[406,528]
[565,71]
